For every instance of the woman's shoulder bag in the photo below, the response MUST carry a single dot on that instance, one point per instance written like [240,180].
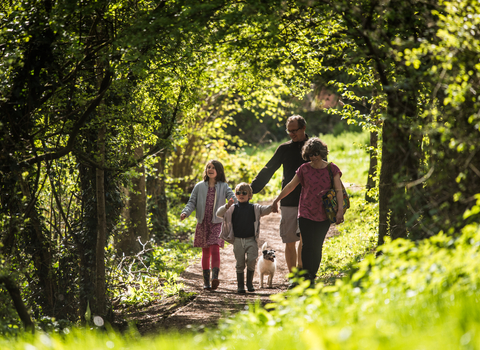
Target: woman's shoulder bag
[330,199]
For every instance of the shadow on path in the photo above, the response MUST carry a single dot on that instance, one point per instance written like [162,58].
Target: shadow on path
[205,308]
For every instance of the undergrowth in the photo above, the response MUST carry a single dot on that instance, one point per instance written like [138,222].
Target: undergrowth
[415,295]
[358,238]
[150,274]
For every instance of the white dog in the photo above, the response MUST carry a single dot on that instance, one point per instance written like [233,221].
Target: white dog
[266,265]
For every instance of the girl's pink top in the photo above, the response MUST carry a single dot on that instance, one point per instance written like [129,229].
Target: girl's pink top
[315,183]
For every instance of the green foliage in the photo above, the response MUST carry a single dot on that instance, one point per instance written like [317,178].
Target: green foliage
[421,295]
[91,338]
[151,274]
[358,237]
[348,151]
[181,227]
[452,121]
[255,159]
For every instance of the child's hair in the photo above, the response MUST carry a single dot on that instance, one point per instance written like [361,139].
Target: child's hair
[243,186]
[314,146]
[219,168]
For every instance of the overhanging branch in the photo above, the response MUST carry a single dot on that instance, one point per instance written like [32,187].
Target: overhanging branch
[107,79]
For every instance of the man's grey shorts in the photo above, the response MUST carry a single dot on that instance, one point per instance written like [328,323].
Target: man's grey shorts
[289,230]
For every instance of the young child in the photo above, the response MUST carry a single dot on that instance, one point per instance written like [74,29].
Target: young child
[207,196]
[241,227]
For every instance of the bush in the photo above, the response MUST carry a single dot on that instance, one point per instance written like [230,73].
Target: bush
[422,295]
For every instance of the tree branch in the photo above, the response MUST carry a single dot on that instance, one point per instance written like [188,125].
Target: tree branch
[20,307]
[107,79]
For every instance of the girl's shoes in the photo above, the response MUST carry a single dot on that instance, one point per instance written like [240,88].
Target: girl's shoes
[215,281]
[206,279]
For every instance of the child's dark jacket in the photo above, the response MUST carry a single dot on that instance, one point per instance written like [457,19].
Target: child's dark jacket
[227,227]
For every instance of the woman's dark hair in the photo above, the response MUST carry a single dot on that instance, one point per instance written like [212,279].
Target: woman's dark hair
[219,168]
[314,146]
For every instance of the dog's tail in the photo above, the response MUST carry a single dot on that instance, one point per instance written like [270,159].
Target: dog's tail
[264,246]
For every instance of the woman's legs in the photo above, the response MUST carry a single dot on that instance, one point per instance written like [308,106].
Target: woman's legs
[313,235]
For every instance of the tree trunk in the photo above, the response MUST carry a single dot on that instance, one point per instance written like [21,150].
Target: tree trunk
[101,305]
[86,234]
[373,165]
[157,205]
[183,162]
[391,165]
[400,163]
[41,252]
[372,169]
[135,213]
[138,202]
[16,296]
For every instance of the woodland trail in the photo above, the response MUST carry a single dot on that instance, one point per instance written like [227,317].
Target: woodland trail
[206,308]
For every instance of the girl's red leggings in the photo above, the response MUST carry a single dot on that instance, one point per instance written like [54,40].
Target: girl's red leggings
[214,252]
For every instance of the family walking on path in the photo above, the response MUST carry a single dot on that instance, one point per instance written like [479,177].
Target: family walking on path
[205,308]
[306,166]
[224,215]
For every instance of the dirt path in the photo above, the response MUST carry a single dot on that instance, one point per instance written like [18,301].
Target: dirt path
[206,307]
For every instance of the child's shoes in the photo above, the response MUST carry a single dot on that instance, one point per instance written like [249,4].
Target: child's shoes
[215,280]
[206,279]
[241,283]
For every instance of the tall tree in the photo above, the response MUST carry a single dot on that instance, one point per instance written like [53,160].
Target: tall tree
[391,47]
[136,208]
[52,86]
[100,289]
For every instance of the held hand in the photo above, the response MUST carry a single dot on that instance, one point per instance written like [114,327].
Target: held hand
[275,206]
[183,216]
